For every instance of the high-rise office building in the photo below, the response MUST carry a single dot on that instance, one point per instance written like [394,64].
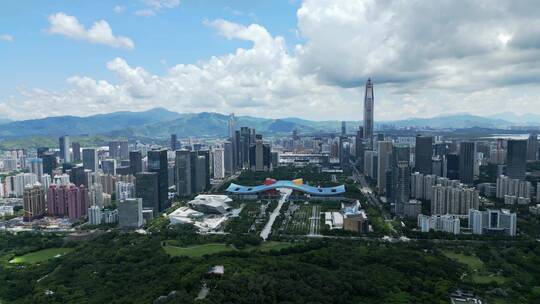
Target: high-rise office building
[33,202]
[174,142]
[147,188]
[77,175]
[135,162]
[200,174]
[130,213]
[532,147]
[219,163]
[343,128]
[516,159]
[41,151]
[466,162]
[245,142]
[228,158]
[206,168]
[114,149]
[124,149]
[259,155]
[63,143]
[232,125]
[452,166]
[90,159]
[384,157]
[76,150]
[368,113]
[49,162]
[158,163]
[108,166]
[183,173]
[359,147]
[36,167]
[423,154]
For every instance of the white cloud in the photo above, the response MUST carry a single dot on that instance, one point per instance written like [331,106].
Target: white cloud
[119,9]
[100,32]
[479,57]
[152,7]
[6,37]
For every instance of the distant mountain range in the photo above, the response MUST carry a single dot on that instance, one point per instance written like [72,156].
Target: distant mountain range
[159,122]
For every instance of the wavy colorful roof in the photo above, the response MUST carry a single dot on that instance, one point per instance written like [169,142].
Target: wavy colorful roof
[318,191]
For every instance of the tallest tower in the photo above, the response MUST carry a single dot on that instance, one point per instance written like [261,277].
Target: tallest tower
[368,113]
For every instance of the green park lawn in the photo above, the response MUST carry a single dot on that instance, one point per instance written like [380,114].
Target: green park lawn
[41,255]
[201,250]
[478,271]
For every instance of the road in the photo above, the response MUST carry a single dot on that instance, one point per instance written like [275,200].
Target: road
[285,193]
[370,195]
[314,226]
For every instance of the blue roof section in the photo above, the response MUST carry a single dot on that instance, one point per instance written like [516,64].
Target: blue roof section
[318,191]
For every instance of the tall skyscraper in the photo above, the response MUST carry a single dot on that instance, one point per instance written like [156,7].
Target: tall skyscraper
[135,162]
[452,166]
[183,173]
[76,150]
[368,113]
[157,162]
[146,187]
[466,162]
[343,128]
[532,147]
[90,159]
[516,159]
[259,155]
[228,158]
[384,158]
[174,142]
[232,125]
[423,153]
[63,143]
[219,163]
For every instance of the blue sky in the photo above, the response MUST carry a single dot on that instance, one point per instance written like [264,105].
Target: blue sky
[304,58]
[178,35]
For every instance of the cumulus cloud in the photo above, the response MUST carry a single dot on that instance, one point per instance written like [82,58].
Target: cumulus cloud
[119,9]
[6,37]
[100,32]
[152,7]
[426,58]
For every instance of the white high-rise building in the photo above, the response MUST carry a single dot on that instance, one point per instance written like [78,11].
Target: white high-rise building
[94,215]
[445,223]
[36,167]
[512,187]
[62,179]
[124,190]
[493,221]
[22,180]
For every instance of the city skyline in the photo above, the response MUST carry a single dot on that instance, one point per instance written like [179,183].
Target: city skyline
[308,59]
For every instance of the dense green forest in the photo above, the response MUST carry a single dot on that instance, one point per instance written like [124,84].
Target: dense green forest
[133,268]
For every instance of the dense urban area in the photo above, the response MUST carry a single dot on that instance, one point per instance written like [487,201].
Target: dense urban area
[354,213]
